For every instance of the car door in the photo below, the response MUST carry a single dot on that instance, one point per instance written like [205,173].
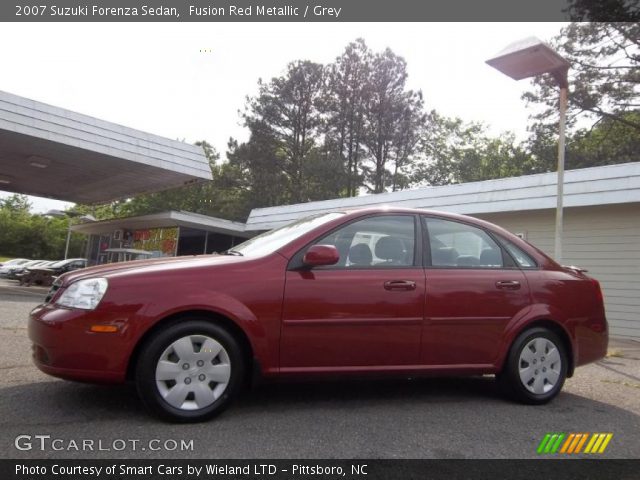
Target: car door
[364,312]
[473,290]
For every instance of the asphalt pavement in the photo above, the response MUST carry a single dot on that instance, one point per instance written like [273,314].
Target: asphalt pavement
[42,417]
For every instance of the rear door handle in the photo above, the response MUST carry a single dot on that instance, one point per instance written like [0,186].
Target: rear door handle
[400,285]
[508,284]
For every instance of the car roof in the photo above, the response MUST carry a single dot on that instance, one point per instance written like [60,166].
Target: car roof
[128,250]
[416,211]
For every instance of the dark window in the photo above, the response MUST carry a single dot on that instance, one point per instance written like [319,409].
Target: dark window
[455,244]
[376,242]
[521,258]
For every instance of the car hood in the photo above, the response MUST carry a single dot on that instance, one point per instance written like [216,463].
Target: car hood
[156,265]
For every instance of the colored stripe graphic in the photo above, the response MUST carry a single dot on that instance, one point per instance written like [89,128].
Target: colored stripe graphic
[581,443]
[607,439]
[599,442]
[543,443]
[567,442]
[556,445]
[573,443]
[594,437]
[550,443]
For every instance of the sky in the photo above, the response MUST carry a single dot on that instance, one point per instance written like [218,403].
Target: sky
[187,81]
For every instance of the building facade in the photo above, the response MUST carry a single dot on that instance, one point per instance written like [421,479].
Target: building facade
[164,234]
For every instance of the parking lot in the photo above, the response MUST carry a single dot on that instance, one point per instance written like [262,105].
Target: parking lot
[425,418]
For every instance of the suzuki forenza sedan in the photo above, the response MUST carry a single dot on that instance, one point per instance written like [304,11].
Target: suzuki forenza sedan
[377,291]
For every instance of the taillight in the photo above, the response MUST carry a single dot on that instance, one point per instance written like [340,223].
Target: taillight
[596,285]
[598,324]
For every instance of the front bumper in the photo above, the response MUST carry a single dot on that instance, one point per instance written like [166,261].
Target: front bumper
[64,346]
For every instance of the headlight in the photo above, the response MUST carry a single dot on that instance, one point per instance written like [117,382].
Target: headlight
[85,294]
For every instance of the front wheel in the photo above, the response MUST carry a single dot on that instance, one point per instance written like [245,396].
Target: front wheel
[536,367]
[190,371]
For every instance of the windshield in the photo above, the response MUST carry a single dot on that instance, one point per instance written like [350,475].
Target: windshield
[273,240]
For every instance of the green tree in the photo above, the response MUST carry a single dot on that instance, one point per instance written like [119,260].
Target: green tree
[603,10]
[345,104]
[288,108]
[261,179]
[607,142]
[492,158]
[24,234]
[17,205]
[454,151]
[392,121]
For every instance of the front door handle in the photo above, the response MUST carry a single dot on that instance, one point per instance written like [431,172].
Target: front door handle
[508,284]
[400,285]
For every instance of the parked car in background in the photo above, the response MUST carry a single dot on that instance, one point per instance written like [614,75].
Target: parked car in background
[10,271]
[13,261]
[377,291]
[46,274]
[18,270]
[116,255]
[34,274]
[63,266]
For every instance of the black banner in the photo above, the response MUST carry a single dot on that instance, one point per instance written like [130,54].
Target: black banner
[583,469]
[316,10]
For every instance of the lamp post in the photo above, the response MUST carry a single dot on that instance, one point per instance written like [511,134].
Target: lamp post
[531,57]
[69,215]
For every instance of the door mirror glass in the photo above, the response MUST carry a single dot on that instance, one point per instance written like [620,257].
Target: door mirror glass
[319,255]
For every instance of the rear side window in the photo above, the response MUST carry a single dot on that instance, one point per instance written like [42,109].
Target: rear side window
[455,244]
[522,259]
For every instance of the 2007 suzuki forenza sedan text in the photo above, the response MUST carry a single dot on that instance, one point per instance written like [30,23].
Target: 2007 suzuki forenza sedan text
[386,290]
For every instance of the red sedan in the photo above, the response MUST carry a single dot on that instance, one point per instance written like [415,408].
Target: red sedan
[377,291]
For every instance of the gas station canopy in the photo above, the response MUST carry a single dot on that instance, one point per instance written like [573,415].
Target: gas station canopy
[51,152]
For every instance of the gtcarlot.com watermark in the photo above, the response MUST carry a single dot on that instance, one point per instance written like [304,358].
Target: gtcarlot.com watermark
[47,443]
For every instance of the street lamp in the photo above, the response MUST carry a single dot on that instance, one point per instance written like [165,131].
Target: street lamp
[531,57]
[69,215]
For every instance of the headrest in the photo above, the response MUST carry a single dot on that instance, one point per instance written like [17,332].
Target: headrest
[360,254]
[389,248]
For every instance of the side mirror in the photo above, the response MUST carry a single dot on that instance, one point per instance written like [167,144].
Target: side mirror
[319,255]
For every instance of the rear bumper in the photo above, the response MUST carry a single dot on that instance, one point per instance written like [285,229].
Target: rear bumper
[592,341]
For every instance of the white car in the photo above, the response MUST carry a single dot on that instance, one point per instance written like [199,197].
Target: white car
[9,265]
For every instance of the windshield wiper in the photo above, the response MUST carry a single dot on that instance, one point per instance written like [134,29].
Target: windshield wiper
[233,252]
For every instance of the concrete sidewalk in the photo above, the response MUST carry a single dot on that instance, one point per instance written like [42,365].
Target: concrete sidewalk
[624,348]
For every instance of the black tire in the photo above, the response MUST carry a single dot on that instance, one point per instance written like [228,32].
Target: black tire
[509,378]
[156,346]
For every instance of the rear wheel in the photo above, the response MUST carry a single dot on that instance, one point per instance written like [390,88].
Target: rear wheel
[190,371]
[536,367]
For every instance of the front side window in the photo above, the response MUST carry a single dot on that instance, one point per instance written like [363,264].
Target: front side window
[455,244]
[375,242]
